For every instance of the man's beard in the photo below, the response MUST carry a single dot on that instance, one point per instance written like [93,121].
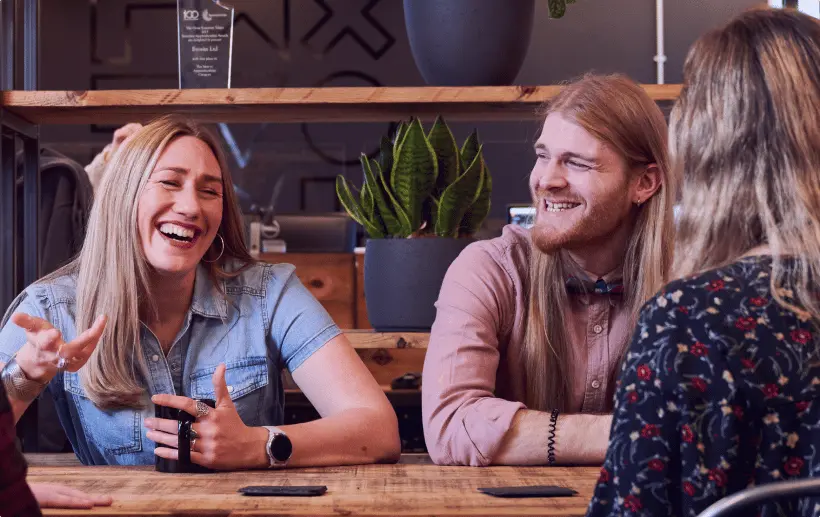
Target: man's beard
[597,226]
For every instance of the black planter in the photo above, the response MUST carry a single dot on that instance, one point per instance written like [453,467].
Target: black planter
[469,42]
[402,279]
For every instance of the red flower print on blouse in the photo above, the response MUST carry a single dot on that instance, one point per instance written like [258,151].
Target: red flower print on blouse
[801,336]
[715,285]
[764,351]
[699,384]
[793,466]
[758,301]
[718,476]
[687,434]
[656,464]
[746,323]
[603,477]
[650,431]
[770,390]
[684,310]
[644,373]
[698,349]
[633,503]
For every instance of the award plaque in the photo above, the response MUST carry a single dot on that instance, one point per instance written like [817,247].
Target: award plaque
[205,41]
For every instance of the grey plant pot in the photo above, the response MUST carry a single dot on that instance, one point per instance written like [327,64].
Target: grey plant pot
[469,42]
[402,279]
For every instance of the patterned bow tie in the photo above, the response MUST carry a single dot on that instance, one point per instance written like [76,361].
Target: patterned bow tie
[577,285]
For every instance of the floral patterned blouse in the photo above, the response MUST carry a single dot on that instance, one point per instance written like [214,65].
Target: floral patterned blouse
[719,391]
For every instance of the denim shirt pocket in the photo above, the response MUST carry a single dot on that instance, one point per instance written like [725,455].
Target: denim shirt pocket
[114,432]
[245,379]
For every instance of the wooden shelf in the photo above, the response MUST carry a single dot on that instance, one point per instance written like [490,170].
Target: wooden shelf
[356,104]
[369,339]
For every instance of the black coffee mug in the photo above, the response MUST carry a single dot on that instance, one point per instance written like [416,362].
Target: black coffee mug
[183,464]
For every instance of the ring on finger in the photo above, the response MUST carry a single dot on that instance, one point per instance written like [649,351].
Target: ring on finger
[192,434]
[62,362]
[202,409]
[193,443]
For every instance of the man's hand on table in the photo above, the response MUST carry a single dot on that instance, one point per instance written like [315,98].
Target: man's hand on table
[60,496]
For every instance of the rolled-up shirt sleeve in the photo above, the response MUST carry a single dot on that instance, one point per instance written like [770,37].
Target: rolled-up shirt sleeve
[464,423]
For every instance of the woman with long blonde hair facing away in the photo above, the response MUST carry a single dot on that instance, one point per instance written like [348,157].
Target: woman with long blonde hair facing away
[164,306]
[720,388]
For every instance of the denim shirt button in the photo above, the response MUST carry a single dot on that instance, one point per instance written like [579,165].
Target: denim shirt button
[230,389]
[155,358]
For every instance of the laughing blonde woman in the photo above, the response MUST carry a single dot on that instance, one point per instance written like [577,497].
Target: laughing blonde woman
[164,306]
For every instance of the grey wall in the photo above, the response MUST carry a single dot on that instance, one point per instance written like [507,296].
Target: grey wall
[132,44]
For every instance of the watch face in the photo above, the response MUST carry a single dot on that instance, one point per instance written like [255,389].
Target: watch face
[281,448]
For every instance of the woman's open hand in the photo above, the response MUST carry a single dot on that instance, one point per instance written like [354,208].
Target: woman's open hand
[39,358]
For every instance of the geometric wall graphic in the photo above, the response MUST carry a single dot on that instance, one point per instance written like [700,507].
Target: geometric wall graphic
[332,28]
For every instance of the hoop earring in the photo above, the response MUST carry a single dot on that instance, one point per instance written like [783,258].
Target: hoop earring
[220,252]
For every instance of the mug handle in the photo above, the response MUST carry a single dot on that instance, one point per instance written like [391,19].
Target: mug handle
[184,442]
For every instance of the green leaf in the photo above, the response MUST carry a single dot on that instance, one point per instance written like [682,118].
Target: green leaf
[478,211]
[458,197]
[354,209]
[384,210]
[557,8]
[405,226]
[366,199]
[369,207]
[469,150]
[447,155]
[385,154]
[401,132]
[414,173]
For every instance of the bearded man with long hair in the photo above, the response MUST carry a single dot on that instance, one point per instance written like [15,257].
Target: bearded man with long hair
[532,326]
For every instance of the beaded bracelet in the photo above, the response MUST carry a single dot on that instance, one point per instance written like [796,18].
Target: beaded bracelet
[551,437]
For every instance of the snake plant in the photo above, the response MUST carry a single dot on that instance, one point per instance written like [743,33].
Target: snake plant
[557,8]
[422,184]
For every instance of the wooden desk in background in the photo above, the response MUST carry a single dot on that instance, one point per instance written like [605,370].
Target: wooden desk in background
[389,354]
[337,281]
[412,487]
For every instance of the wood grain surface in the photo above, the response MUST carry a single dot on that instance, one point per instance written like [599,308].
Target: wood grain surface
[365,339]
[290,104]
[409,488]
[330,277]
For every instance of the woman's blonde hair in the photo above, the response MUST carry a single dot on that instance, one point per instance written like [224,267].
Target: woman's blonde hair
[745,134]
[618,112]
[112,272]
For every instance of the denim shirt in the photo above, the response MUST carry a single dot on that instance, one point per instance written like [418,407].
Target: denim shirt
[268,322]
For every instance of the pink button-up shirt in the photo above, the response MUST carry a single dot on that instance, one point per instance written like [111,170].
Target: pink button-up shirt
[473,377]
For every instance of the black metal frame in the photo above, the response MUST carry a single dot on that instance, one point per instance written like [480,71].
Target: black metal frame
[19,250]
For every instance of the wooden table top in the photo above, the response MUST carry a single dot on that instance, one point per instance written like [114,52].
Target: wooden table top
[412,487]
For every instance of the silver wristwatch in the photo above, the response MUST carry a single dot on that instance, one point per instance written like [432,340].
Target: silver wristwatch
[279,447]
[17,384]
